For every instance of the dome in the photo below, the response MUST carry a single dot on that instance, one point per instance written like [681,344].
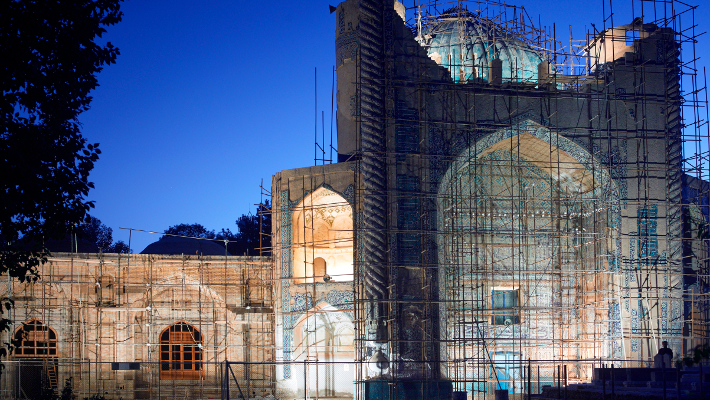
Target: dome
[460,44]
[182,245]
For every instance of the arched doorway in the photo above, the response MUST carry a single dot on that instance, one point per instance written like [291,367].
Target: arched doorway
[36,351]
[181,353]
[524,237]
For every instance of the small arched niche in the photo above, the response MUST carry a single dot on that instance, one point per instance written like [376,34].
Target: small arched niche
[323,238]
[319,267]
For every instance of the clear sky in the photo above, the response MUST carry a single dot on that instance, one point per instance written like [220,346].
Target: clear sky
[210,97]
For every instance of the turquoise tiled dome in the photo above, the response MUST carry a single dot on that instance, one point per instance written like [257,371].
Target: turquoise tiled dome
[480,42]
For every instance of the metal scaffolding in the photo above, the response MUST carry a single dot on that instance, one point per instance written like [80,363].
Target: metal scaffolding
[497,227]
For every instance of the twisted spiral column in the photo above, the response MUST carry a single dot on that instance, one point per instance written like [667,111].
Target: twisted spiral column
[373,147]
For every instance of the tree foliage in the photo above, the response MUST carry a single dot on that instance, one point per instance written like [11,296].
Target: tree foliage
[101,235]
[98,233]
[250,228]
[50,59]
[245,242]
[190,230]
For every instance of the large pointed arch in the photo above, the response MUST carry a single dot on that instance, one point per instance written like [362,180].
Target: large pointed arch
[541,146]
[523,212]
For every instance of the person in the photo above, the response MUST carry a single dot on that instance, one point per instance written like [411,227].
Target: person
[665,350]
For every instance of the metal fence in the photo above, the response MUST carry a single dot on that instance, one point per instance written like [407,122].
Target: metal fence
[55,378]
[30,379]
[46,378]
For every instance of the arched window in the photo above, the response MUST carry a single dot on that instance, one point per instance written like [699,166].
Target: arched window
[181,353]
[35,339]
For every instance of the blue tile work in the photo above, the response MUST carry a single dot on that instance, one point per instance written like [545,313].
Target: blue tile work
[349,194]
[286,271]
[616,163]
[346,44]
[468,146]
[614,330]
[637,313]
[664,318]
[647,243]
[408,213]
[635,329]
[644,256]
[354,166]
[287,333]
[607,165]
[676,317]
[302,302]
[286,235]
[406,130]
[606,187]
[359,223]
[342,300]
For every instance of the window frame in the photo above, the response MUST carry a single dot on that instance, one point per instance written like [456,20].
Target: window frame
[502,312]
[51,349]
[186,341]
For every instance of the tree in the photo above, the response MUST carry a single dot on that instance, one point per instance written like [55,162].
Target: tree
[101,235]
[119,247]
[244,242]
[250,229]
[190,230]
[98,233]
[50,60]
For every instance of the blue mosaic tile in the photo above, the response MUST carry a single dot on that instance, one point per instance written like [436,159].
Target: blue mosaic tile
[346,46]
[349,194]
[302,302]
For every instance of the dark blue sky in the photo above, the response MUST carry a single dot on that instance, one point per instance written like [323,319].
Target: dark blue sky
[209,97]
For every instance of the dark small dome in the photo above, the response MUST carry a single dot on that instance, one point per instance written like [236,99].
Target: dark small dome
[181,245]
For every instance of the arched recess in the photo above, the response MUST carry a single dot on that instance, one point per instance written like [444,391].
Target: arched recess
[317,332]
[180,290]
[34,292]
[323,228]
[523,215]
[325,334]
[37,349]
[181,352]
